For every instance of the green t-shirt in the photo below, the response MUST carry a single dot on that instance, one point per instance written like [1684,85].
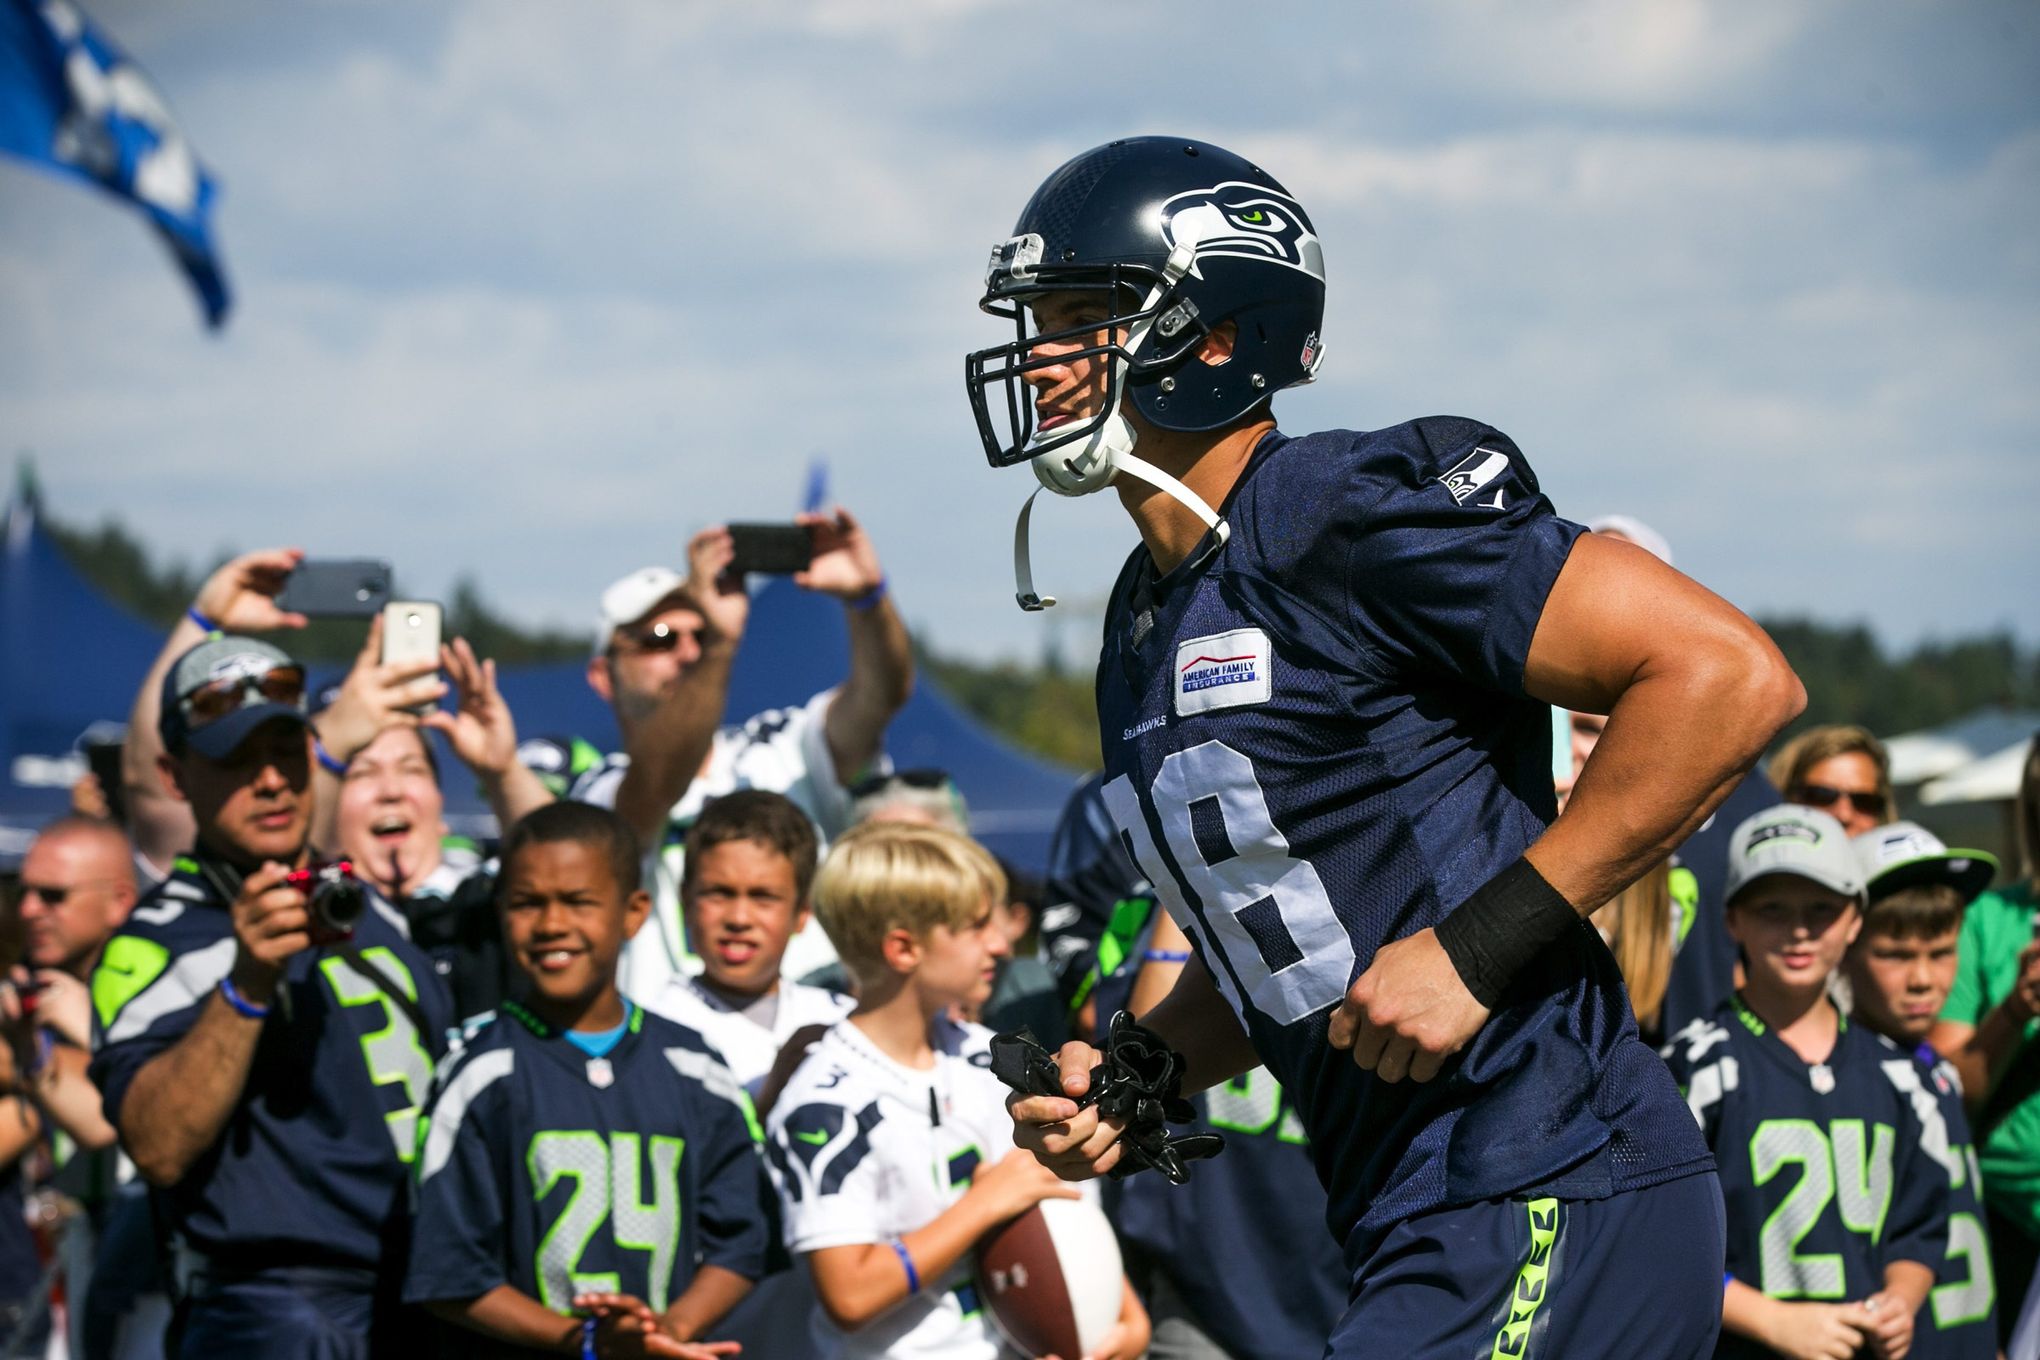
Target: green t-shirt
[1997,926]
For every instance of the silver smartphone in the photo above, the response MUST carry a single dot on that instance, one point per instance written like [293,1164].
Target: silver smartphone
[410,634]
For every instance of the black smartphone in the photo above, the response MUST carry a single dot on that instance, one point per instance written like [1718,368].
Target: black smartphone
[771,549]
[103,759]
[345,588]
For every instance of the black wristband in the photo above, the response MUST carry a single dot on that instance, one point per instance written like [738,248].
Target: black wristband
[1492,934]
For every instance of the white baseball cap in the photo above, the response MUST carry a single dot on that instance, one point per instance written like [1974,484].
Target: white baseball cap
[1637,532]
[1907,855]
[1789,839]
[631,597]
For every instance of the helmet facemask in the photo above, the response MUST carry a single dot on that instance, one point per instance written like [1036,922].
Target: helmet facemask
[1180,238]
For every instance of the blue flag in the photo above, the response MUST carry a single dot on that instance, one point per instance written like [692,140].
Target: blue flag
[72,101]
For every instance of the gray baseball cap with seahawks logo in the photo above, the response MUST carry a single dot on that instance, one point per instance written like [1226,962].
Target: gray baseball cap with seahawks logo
[221,690]
[1789,839]
[1907,855]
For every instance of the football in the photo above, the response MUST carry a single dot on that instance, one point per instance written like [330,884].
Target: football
[1051,1278]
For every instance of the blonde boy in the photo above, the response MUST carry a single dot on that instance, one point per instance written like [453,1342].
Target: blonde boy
[898,1089]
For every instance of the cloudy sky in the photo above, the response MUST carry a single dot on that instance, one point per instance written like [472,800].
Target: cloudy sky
[532,291]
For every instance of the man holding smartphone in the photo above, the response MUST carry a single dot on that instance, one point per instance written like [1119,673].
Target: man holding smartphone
[264,1076]
[663,648]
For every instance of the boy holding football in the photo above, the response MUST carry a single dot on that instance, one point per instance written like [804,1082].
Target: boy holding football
[589,1180]
[1900,970]
[1836,1212]
[900,1088]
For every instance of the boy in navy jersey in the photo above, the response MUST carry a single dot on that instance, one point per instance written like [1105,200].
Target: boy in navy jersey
[1324,707]
[1899,971]
[265,1071]
[1836,1210]
[581,1155]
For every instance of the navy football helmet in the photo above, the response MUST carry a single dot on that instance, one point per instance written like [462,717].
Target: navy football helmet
[1179,237]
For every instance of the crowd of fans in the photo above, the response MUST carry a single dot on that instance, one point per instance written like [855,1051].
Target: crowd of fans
[695,1056]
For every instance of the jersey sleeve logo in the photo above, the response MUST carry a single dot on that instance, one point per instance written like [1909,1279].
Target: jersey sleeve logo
[1475,471]
[1225,670]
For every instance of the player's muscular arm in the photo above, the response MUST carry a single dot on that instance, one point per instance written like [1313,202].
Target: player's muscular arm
[857,1283]
[1693,691]
[180,1099]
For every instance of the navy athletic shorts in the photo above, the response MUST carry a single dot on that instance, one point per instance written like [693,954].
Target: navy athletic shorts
[1636,1276]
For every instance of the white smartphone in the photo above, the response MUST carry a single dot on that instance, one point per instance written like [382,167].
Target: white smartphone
[410,634]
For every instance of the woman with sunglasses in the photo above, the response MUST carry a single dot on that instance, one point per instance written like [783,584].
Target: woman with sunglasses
[1841,769]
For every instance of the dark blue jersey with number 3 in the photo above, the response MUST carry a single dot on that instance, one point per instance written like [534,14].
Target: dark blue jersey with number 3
[1316,742]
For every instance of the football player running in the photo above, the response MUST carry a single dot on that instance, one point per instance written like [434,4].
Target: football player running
[1323,701]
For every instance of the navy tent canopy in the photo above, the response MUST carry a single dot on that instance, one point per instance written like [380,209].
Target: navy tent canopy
[69,658]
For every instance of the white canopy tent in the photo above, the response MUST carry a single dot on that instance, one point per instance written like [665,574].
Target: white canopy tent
[1935,752]
[1993,779]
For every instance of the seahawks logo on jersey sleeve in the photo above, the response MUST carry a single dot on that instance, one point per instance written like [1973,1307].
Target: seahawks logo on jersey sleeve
[1246,222]
[818,1146]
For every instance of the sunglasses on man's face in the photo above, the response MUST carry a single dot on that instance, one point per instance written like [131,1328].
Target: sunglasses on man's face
[660,637]
[56,896]
[217,698]
[1870,804]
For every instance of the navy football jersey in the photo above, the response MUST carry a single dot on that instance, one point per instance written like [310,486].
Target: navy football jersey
[1960,1319]
[560,1174]
[1316,742]
[313,1162]
[1824,1167]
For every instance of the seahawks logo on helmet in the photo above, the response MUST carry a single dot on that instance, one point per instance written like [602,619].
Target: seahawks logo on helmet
[1244,222]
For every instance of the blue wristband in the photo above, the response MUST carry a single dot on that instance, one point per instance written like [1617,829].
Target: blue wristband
[906,1260]
[241,1004]
[331,763]
[204,623]
[588,1351]
[1165,956]
[870,598]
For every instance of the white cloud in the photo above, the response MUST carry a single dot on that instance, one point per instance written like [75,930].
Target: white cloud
[533,290]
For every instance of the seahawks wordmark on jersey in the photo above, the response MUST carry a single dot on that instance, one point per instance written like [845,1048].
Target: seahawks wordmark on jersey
[1317,741]
[544,1171]
[782,750]
[1826,1168]
[864,1149]
[312,1164]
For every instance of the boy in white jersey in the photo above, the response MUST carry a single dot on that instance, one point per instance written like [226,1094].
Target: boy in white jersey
[897,1091]
[750,862]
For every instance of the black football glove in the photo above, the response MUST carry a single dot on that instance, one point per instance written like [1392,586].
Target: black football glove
[1138,1083]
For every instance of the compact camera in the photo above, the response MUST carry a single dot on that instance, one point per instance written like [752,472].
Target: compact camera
[334,898]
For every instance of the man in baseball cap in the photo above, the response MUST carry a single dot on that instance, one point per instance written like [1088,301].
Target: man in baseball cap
[265,1068]
[224,688]
[664,646]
